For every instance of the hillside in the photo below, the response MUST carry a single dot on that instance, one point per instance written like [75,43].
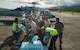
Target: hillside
[3,9]
[74,8]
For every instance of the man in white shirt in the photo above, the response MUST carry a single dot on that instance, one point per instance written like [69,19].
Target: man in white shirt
[40,20]
[33,26]
[22,18]
[47,22]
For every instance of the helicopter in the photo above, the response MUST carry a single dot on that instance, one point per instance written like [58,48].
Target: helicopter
[32,6]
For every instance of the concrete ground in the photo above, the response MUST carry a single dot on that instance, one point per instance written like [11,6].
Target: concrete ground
[71,32]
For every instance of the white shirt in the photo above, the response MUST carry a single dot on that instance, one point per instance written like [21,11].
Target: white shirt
[22,19]
[47,23]
[22,27]
[40,19]
[23,15]
[33,24]
[33,16]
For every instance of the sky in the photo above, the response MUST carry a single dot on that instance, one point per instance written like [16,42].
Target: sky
[11,5]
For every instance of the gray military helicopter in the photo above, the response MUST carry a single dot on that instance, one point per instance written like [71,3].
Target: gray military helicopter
[27,10]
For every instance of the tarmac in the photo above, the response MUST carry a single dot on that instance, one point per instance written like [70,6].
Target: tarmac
[71,34]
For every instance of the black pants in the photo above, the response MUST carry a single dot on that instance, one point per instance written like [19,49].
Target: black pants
[52,43]
[60,39]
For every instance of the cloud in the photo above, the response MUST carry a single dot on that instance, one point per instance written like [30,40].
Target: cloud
[22,0]
[10,0]
[52,1]
[63,2]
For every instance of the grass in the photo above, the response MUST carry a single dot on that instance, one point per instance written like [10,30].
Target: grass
[3,9]
[77,13]
[68,12]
